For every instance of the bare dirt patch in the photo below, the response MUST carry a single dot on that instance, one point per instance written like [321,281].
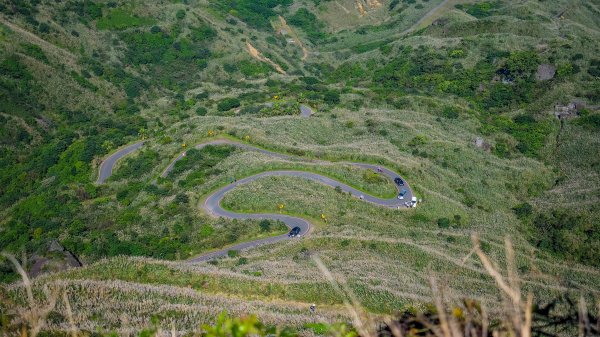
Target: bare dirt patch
[259,56]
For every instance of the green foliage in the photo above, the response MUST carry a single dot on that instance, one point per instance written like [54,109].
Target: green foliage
[119,19]
[523,210]
[253,69]
[450,112]
[255,13]
[12,67]
[522,63]
[318,328]
[34,51]
[206,230]
[182,198]
[418,140]
[167,56]
[232,253]
[457,53]
[228,103]
[530,133]
[594,68]
[136,167]
[265,225]
[443,222]
[243,327]
[201,111]
[347,71]
[309,23]
[363,48]
[481,9]
[564,70]
[331,97]
[373,177]
[71,165]
[569,235]
[204,32]
[590,120]
[83,82]
[200,163]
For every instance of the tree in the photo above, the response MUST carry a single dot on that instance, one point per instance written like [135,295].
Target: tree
[522,63]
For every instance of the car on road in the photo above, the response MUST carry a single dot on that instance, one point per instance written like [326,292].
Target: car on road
[402,194]
[399,181]
[294,232]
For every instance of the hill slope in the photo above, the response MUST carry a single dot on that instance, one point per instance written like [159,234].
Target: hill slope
[461,98]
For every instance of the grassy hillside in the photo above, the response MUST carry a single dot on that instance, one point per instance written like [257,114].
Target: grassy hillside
[457,96]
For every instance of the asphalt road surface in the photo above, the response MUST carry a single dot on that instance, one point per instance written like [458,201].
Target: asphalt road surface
[107,165]
[212,204]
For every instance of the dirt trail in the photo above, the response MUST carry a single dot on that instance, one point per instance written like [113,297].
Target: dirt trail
[360,8]
[257,55]
[374,3]
[363,6]
[47,46]
[425,19]
[342,7]
[294,36]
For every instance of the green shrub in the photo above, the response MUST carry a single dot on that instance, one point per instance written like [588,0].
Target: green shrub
[232,253]
[450,112]
[119,19]
[418,140]
[206,231]
[373,177]
[253,69]
[265,225]
[443,222]
[201,111]
[523,210]
[331,97]
[228,103]
[256,14]
[136,167]
[34,51]
[589,120]
[181,198]
[309,23]
[568,235]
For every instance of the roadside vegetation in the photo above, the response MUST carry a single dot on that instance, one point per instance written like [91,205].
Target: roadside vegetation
[464,108]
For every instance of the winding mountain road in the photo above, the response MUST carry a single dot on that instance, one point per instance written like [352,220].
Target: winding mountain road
[107,165]
[212,203]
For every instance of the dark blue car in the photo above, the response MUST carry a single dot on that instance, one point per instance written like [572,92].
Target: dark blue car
[294,232]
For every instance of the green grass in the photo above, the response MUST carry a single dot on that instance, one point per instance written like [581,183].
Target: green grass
[68,110]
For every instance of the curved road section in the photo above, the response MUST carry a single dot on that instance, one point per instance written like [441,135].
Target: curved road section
[109,163]
[212,203]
